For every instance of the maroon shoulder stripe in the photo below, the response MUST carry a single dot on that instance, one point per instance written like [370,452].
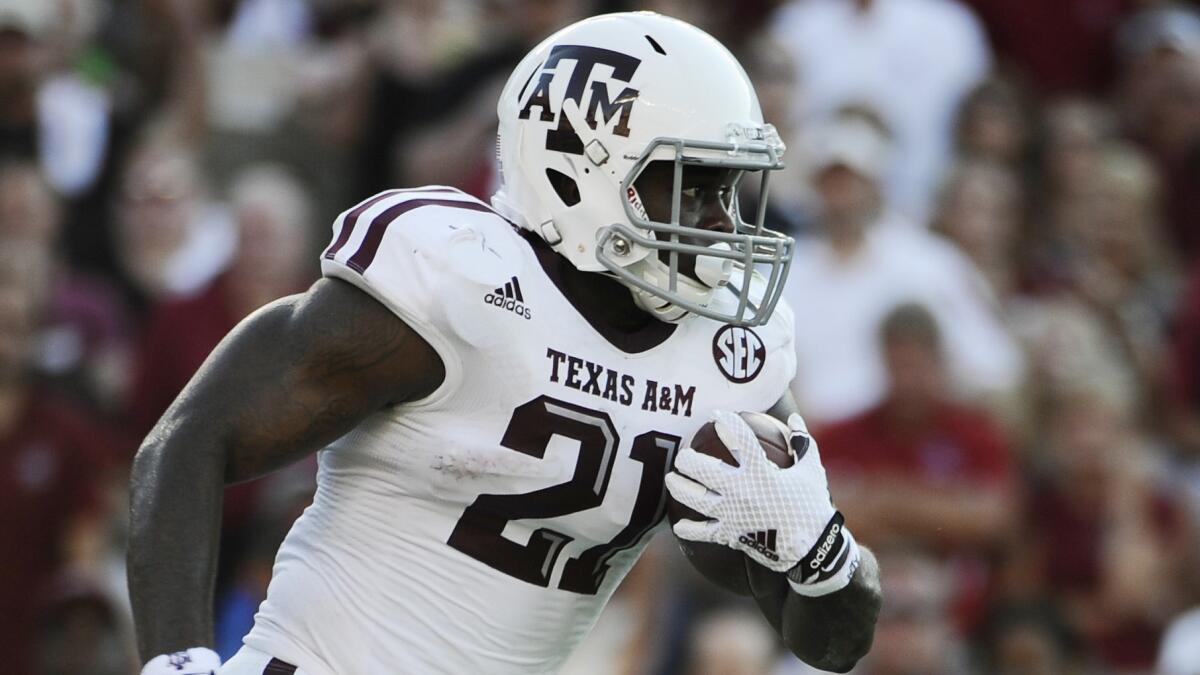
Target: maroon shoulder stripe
[356,213]
[352,219]
[365,254]
[277,667]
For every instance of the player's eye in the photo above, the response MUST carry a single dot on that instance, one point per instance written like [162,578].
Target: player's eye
[703,192]
[725,194]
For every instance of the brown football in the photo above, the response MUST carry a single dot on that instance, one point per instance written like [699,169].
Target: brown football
[720,564]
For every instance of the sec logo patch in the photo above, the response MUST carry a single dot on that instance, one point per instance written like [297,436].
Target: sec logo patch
[739,353]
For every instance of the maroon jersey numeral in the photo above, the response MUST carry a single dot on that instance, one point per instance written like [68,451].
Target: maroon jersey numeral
[654,450]
[478,532]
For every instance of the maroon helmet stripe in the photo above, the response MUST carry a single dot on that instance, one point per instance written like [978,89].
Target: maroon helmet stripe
[365,254]
[357,211]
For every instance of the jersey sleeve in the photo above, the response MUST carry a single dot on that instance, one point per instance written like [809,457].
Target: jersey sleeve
[417,252]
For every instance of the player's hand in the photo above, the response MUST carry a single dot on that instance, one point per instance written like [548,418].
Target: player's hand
[782,518]
[194,661]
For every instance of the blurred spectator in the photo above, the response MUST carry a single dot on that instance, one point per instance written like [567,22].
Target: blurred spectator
[1106,534]
[914,635]
[1149,43]
[1101,240]
[1158,28]
[862,264]
[65,107]
[919,469]
[56,120]
[980,210]
[1160,101]
[732,642]
[29,210]
[171,239]
[1028,638]
[912,60]
[81,632]
[997,123]
[1063,47]
[85,332]
[1076,132]
[1183,408]
[1170,127]
[1121,267]
[53,458]
[1069,349]
[267,23]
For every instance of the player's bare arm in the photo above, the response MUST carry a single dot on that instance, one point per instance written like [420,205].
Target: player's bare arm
[831,632]
[290,379]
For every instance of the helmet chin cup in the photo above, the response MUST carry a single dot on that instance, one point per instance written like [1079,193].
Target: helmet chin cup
[712,271]
[656,274]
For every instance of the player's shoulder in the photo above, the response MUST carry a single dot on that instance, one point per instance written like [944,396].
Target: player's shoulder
[444,227]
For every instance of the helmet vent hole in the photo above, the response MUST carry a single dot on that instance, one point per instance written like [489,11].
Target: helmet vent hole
[657,47]
[564,186]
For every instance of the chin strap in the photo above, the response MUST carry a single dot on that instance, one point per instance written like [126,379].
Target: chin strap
[659,308]
[653,271]
[714,273]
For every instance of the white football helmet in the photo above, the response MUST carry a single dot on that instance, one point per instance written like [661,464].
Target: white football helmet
[592,105]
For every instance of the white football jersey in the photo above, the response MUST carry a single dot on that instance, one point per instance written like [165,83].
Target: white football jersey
[483,528]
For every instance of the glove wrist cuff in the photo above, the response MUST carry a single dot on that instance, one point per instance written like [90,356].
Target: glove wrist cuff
[830,564]
[196,660]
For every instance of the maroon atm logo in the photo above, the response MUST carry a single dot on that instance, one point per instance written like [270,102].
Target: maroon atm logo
[601,106]
[739,353]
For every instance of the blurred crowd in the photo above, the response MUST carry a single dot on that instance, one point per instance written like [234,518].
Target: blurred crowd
[996,284]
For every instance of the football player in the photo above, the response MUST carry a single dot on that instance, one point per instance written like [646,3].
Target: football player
[498,393]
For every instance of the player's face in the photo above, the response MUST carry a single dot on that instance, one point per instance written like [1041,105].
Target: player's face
[705,202]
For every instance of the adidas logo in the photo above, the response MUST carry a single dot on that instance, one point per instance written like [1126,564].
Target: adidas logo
[509,297]
[762,541]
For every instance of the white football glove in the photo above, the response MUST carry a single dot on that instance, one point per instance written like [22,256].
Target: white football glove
[782,518]
[194,661]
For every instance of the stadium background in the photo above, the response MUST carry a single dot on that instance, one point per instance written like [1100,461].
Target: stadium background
[998,296]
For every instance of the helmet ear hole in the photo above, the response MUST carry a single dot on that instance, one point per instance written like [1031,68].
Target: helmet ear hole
[564,186]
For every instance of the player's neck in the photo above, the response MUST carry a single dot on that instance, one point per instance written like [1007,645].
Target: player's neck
[604,297]
[604,302]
